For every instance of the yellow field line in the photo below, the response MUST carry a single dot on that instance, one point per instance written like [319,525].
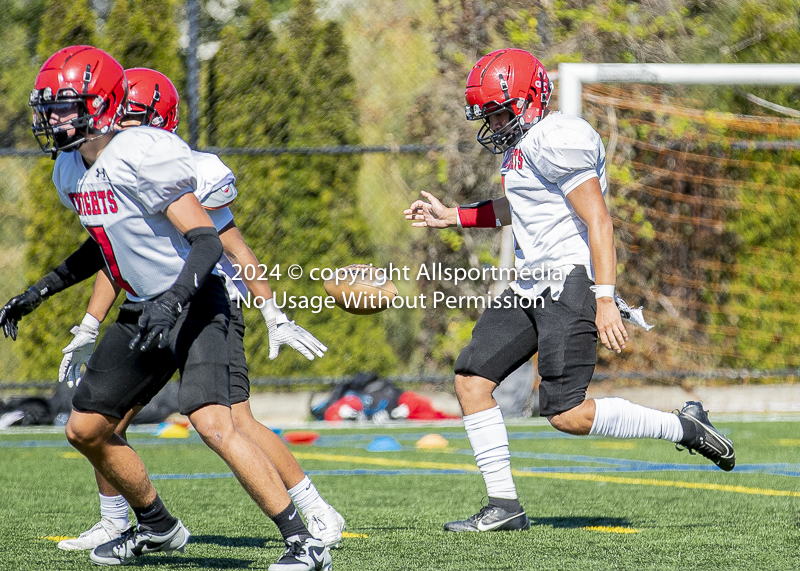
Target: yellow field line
[398,463]
[610,529]
[348,535]
[393,462]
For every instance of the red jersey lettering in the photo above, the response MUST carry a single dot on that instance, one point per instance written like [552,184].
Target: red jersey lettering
[73,199]
[112,204]
[95,202]
[513,159]
[100,236]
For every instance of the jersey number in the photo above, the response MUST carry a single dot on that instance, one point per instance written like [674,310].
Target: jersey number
[100,236]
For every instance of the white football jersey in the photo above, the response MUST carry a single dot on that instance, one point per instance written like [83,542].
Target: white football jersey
[213,177]
[122,198]
[222,217]
[554,157]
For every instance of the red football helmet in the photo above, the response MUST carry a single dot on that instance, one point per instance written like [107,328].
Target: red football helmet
[152,99]
[83,85]
[507,80]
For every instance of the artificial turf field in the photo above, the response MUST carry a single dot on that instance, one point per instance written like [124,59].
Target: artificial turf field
[593,503]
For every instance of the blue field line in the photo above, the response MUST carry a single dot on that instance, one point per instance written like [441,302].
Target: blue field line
[404,472]
[193,439]
[198,476]
[35,444]
[325,441]
[339,439]
[626,465]
[433,472]
[612,465]
[790,473]
[765,469]
[617,464]
[359,472]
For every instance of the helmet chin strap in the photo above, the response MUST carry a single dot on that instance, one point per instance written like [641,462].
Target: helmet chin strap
[504,85]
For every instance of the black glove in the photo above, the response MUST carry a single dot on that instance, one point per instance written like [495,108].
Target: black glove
[158,318]
[16,307]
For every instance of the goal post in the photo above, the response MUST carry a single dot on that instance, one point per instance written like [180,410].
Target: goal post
[572,76]
[705,206]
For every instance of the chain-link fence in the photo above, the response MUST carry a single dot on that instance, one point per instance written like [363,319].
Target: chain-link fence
[334,117]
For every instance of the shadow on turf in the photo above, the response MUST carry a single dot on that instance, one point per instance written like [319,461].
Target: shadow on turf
[198,562]
[214,562]
[579,522]
[225,541]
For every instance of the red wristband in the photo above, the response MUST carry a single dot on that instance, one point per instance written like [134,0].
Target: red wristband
[478,215]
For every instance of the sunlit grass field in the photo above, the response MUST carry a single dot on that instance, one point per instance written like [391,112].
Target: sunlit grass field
[593,503]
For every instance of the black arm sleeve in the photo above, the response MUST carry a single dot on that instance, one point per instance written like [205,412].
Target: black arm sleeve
[83,263]
[206,252]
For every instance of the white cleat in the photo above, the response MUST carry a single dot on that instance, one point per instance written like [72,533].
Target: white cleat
[138,541]
[326,524]
[308,555]
[101,532]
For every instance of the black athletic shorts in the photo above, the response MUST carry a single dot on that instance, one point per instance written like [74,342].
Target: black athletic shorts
[118,378]
[563,332]
[240,381]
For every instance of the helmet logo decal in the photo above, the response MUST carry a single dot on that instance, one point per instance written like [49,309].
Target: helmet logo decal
[152,99]
[73,97]
[517,84]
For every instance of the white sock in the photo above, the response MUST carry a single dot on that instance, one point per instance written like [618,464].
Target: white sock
[489,439]
[619,418]
[305,496]
[114,508]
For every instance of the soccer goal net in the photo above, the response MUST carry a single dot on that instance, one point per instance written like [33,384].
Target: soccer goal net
[706,208]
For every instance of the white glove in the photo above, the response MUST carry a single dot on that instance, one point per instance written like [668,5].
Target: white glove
[632,314]
[282,331]
[79,351]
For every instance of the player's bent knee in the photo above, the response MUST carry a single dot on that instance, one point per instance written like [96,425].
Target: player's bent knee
[575,421]
[559,422]
[214,425]
[84,434]
[74,436]
[241,413]
[473,386]
[215,436]
[469,384]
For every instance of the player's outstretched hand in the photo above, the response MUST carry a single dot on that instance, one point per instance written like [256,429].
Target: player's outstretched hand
[610,328]
[158,318]
[282,331]
[18,306]
[77,353]
[432,214]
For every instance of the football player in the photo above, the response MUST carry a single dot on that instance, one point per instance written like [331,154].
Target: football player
[136,199]
[554,180]
[153,101]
